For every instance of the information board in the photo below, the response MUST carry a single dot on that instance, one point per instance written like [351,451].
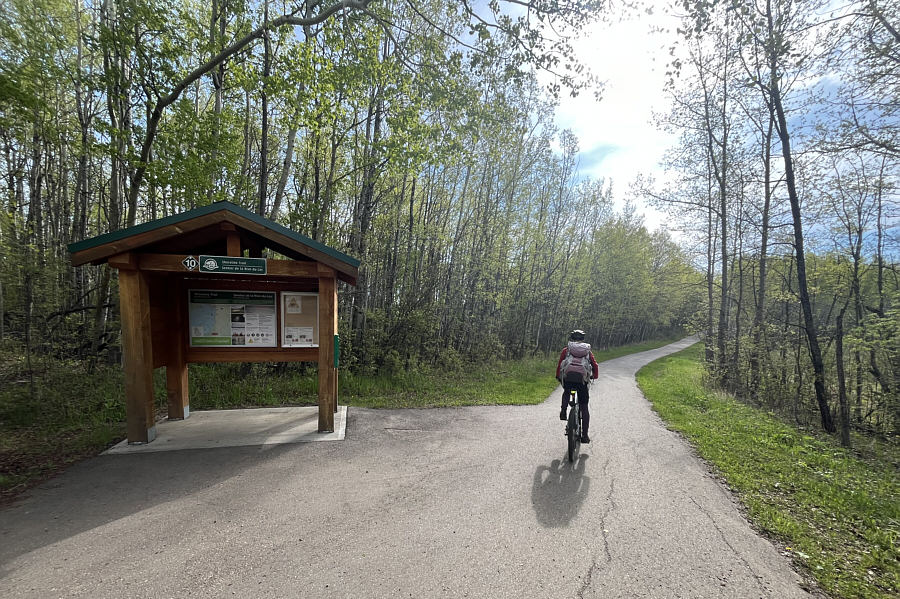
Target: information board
[232,318]
[300,319]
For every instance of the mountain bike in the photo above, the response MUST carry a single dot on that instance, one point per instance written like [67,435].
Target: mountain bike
[573,426]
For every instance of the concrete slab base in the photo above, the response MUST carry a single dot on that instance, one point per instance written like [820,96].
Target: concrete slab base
[233,428]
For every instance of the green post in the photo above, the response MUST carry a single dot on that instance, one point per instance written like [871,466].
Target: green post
[337,350]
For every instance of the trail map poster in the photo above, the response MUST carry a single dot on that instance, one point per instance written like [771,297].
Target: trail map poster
[300,318]
[232,318]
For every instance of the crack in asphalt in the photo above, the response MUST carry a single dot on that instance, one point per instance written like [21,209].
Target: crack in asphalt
[611,502]
[604,534]
[587,580]
[734,551]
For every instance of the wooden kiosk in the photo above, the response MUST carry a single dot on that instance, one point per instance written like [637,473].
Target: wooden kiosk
[194,287]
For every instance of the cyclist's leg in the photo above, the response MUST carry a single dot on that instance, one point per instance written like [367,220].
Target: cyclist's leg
[567,386]
[583,398]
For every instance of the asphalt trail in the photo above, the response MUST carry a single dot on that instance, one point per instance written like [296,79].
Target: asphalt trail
[464,502]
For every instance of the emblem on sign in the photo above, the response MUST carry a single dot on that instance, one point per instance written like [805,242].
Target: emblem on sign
[190,263]
[210,264]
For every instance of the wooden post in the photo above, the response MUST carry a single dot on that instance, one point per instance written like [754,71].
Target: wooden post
[234,244]
[177,368]
[134,300]
[232,239]
[327,331]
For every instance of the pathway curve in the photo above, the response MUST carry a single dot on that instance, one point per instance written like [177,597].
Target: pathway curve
[465,502]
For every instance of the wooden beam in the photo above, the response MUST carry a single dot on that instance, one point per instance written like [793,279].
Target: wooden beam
[291,268]
[275,268]
[327,331]
[136,343]
[126,261]
[233,242]
[196,355]
[161,286]
[177,368]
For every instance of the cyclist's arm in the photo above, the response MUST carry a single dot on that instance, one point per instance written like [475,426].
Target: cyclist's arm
[562,357]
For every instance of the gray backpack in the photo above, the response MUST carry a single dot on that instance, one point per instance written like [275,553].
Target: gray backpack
[576,366]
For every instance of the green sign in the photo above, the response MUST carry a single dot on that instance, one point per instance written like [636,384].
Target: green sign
[233,265]
[207,296]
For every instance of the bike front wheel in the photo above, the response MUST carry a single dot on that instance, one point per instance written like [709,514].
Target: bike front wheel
[573,434]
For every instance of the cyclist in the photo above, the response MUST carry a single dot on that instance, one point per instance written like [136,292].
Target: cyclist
[575,369]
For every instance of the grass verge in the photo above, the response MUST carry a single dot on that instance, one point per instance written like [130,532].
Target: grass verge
[70,412]
[835,511]
[523,382]
[519,382]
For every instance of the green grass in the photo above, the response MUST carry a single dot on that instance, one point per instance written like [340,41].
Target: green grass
[72,412]
[529,381]
[836,511]
[520,382]
[524,382]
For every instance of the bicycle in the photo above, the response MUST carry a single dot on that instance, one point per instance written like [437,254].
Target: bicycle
[573,426]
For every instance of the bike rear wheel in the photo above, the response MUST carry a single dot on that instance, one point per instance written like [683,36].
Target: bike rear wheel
[573,432]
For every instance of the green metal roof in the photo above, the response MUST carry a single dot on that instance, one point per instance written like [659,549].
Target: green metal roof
[203,211]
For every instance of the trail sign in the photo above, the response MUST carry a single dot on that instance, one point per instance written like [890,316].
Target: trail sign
[233,265]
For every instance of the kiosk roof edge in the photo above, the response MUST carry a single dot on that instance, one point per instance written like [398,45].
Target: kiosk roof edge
[101,247]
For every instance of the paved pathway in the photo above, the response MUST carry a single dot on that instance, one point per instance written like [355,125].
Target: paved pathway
[467,502]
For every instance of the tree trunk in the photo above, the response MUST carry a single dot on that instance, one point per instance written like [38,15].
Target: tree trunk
[756,349]
[286,167]
[815,352]
[722,333]
[216,35]
[264,140]
[710,262]
[112,62]
[886,387]
[842,384]
[245,162]
[736,376]
[364,212]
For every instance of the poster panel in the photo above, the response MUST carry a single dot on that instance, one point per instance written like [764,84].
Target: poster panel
[300,319]
[232,318]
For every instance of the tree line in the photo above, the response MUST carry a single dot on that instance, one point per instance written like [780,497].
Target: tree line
[411,134]
[785,176]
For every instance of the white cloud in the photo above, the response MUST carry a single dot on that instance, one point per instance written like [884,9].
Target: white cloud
[616,136]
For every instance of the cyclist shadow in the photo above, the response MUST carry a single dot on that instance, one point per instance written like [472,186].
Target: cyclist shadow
[558,490]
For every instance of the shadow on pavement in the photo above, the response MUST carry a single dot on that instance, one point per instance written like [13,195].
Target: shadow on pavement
[107,488]
[558,490]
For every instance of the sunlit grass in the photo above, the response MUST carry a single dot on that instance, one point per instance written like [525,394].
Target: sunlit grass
[836,511]
[522,382]
[514,382]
